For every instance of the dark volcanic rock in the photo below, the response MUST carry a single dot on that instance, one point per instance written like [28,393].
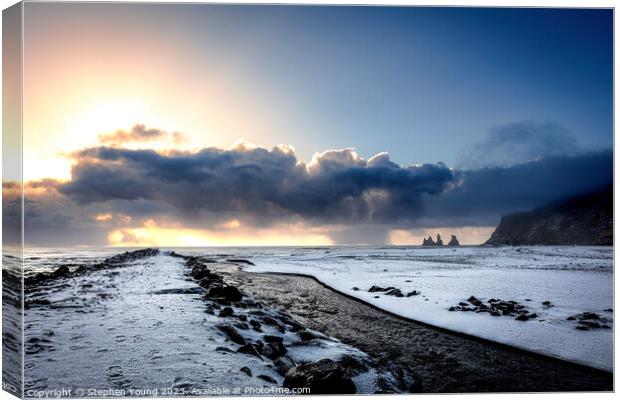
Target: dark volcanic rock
[240,261]
[439,241]
[582,220]
[273,350]
[453,241]
[61,272]
[246,370]
[249,349]
[322,377]
[231,293]
[232,333]
[267,378]
[283,364]
[428,242]
[226,312]
[390,291]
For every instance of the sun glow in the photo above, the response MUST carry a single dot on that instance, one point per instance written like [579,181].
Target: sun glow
[153,235]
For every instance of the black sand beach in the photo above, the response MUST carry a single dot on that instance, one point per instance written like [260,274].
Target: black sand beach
[443,361]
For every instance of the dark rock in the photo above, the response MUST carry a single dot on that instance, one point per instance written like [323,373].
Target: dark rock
[585,219]
[307,335]
[416,386]
[267,378]
[200,272]
[242,325]
[256,325]
[283,364]
[271,321]
[224,349]
[246,370]
[215,290]
[273,339]
[356,288]
[352,365]
[588,315]
[61,272]
[226,312]
[240,261]
[231,293]
[428,242]
[474,301]
[273,350]
[522,317]
[453,241]
[321,377]
[582,328]
[232,333]
[590,324]
[413,293]
[374,289]
[392,291]
[439,242]
[249,349]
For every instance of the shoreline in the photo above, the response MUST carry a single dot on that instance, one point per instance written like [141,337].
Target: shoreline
[444,361]
[439,328]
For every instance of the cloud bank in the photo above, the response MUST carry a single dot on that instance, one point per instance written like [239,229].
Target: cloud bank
[518,143]
[338,193]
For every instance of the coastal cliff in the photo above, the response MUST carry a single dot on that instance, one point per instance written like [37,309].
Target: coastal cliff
[581,220]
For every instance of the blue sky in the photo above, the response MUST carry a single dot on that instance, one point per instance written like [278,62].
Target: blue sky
[483,112]
[420,83]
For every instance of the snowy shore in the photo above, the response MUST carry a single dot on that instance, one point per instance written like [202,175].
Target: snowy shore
[573,280]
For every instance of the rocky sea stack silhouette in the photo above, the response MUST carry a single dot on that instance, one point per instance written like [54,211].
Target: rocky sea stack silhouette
[439,242]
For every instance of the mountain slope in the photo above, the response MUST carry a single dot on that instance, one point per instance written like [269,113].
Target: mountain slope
[581,220]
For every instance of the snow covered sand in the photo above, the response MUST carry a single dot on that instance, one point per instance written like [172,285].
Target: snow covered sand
[144,328]
[573,279]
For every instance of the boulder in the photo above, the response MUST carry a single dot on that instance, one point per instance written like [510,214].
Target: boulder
[249,349]
[61,272]
[322,377]
[226,312]
[232,333]
[231,293]
[284,364]
[267,378]
[273,350]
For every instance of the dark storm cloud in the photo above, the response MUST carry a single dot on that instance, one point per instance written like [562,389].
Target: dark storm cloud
[519,143]
[263,185]
[364,199]
[481,196]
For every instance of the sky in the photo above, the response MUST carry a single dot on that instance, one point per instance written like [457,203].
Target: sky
[221,124]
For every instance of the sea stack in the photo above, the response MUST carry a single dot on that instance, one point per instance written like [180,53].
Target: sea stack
[453,241]
[428,241]
[439,241]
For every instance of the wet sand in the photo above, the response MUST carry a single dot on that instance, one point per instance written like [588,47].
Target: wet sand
[443,361]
